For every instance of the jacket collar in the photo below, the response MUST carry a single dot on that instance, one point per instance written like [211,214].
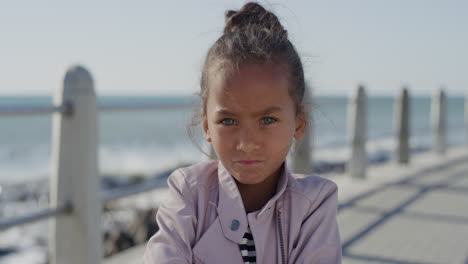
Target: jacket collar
[231,208]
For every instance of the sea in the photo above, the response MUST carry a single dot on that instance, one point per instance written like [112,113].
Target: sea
[146,142]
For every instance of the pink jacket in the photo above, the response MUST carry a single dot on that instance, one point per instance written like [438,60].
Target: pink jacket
[198,221]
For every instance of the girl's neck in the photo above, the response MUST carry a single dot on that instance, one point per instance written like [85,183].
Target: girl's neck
[255,196]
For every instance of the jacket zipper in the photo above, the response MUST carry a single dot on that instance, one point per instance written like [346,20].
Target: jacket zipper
[280,230]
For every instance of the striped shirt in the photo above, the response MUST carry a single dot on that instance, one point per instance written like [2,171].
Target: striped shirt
[247,248]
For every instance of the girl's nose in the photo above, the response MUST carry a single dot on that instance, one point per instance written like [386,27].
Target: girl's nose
[247,141]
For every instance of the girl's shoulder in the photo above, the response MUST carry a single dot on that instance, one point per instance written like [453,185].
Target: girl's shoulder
[199,174]
[312,188]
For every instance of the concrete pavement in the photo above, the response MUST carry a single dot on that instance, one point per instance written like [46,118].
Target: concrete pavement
[407,216]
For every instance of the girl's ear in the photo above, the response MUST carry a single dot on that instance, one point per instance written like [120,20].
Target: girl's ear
[206,130]
[301,124]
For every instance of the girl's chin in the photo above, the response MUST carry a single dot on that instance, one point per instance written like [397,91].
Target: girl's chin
[249,179]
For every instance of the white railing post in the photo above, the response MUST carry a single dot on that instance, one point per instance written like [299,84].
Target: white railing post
[302,160]
[357,131]
[402,123]
[75,238]
[439,118]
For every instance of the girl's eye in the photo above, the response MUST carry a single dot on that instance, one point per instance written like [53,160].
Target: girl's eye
[228,122]
[268,120]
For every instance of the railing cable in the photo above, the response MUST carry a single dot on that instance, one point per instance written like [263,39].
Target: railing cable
[21,220]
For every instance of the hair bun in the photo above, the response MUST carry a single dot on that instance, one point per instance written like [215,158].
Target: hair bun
[250,16]
[229,14]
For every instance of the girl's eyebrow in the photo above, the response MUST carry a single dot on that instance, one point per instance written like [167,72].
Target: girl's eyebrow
[269,110]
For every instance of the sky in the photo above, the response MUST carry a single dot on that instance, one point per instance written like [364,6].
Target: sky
[158,47]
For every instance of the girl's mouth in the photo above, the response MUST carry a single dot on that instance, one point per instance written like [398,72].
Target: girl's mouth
[249,162]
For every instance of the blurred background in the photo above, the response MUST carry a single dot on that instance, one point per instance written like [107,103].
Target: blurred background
[143,52]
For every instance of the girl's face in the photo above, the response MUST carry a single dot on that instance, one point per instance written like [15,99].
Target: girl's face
[251,121]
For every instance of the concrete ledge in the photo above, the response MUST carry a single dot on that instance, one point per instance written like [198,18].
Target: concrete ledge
[382,174]
[131,255]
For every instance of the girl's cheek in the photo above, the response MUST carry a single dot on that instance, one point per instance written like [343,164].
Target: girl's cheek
[273,131]
[224,132]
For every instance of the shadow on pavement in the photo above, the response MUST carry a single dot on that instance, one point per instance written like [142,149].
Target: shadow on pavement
[430,196]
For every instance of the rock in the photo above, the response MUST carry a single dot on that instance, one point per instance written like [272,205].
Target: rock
[6,251]
[144,225]
[138,231]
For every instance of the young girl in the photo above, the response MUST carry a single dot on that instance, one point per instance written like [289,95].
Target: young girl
[248,207]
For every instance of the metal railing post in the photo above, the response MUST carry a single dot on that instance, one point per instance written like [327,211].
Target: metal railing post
[466,118]
[302,160]
[75,237]
[439,121]
[357,131]
[402,123]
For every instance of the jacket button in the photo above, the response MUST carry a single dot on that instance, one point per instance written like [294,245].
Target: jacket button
[235,225]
